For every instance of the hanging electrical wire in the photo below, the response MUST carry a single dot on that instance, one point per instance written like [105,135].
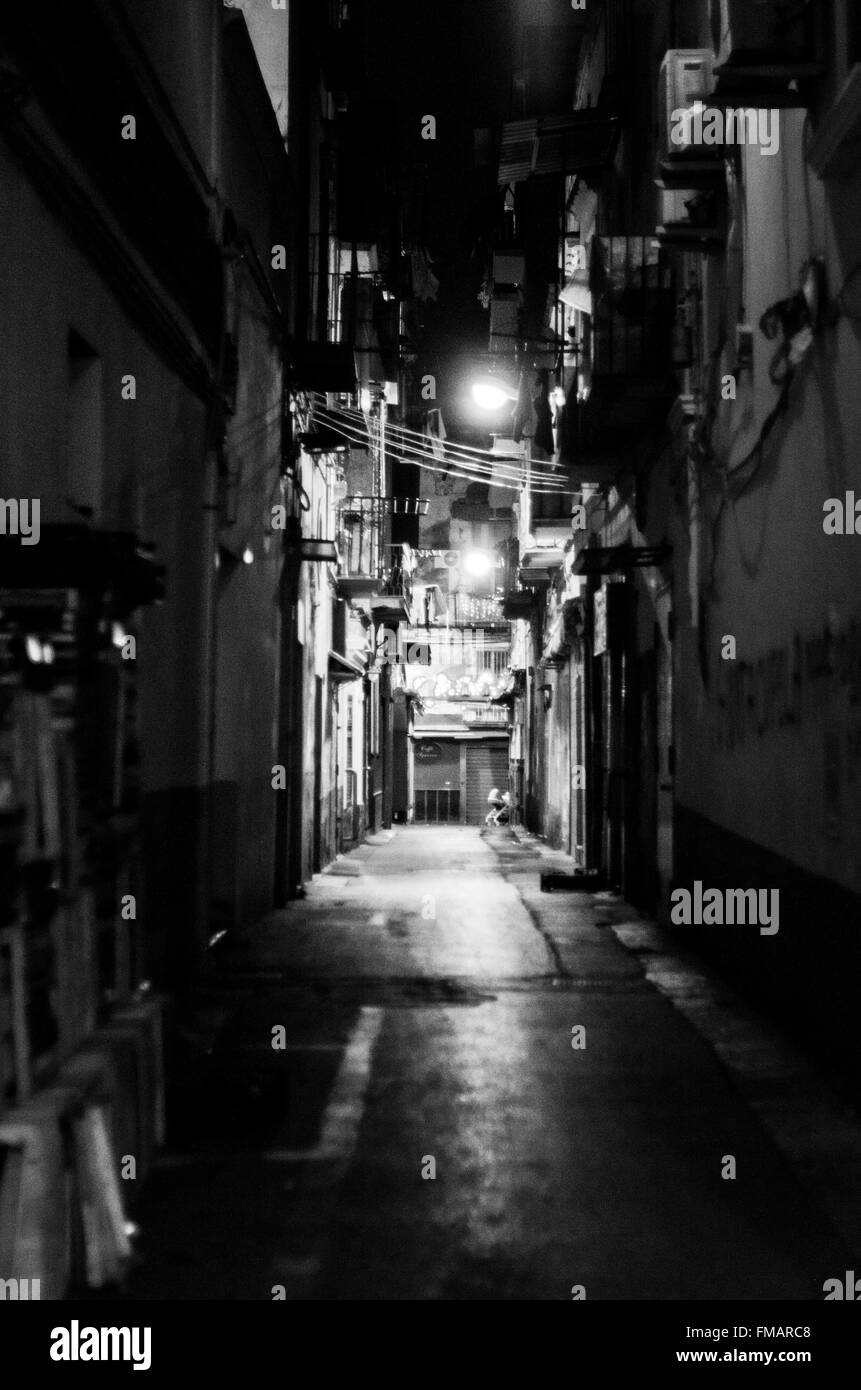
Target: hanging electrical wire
[464,453]
[494,474]
[507,465]
[514,481]
[498,464]
[417,434]
[354,436]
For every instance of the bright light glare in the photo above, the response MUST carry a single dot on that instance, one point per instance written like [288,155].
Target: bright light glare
[477,563]
[488,397]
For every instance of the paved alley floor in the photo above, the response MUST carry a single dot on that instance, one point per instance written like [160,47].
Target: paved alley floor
[380,1100]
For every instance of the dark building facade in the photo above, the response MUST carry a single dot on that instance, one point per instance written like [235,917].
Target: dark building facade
[686,644]
[195,716]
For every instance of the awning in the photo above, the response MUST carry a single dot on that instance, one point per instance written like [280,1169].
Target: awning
[569,144]
[342,671]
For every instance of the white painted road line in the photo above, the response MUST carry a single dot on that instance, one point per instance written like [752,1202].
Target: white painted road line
[339,1131]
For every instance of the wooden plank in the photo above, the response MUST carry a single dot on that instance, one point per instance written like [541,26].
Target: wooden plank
[107,1245]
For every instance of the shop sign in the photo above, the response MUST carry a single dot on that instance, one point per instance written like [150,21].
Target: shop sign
[428,752]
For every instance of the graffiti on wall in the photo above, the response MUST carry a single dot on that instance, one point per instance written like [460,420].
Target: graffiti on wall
[788,685]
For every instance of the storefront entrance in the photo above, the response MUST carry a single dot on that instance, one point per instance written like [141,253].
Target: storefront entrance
[452,779]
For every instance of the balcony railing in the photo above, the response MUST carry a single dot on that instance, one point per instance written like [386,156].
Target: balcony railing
[626,382]
[394,597]
[360,535]
[372,569]
[361,530]
[632,299]
[468,609]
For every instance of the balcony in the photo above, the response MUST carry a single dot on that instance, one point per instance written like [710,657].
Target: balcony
[360,543]
[393,599]
[625,385]
[516,601]
[465,609]
[519,603]
[550,516]
[538,564]
[373,573]
[486,716]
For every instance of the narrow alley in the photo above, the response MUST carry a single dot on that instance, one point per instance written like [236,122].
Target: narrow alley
[430,672]
[429,991]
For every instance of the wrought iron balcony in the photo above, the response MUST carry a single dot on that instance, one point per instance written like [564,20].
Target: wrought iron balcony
[372,571]
[360,543]
[625,384]
[393,599]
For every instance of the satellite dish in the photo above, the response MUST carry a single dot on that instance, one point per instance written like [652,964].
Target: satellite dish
[451,558]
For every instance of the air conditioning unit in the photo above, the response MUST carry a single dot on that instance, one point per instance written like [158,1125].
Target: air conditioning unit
[748,32]
[686,78]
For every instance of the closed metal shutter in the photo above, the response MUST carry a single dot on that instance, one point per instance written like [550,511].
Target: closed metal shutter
[486,767]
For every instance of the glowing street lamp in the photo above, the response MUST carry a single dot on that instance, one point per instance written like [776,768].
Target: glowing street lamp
[477,563]
[491,393]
